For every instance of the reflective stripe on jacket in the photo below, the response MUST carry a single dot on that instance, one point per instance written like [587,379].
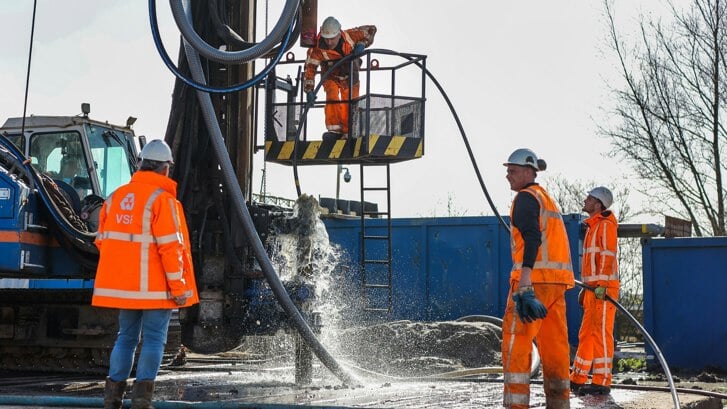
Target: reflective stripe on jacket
[553,262]
[145,257]
[318,56]
[600,264]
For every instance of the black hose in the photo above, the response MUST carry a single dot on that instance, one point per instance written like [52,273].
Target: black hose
[444,95]
[650,340]
[230,181]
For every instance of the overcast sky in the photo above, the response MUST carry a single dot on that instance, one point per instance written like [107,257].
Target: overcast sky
[520,74]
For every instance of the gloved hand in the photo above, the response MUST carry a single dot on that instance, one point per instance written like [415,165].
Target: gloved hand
[308,85]
[310,97]
[600,292]
[359,48]
[581,295]
[528,307]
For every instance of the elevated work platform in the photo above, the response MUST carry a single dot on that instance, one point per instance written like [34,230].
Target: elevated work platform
[380,149]
[385,124]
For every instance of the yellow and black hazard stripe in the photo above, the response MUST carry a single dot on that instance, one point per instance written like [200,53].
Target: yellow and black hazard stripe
[380,149]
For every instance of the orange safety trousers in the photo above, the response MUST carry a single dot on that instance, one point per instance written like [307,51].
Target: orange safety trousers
[337,112]
[595,340]
[551,336]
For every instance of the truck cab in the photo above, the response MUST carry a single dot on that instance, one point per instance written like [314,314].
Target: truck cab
[83,156]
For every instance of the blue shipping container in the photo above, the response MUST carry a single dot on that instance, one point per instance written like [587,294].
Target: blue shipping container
[446,268]
[684,300]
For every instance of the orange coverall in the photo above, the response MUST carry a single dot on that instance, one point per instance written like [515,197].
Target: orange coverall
[551,275]
[337,84]
[599,269]
[144,245]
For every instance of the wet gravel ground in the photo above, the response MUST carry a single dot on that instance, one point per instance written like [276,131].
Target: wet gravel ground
[247,379]
[388,360]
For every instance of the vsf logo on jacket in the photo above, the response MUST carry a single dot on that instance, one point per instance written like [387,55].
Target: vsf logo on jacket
[127,203]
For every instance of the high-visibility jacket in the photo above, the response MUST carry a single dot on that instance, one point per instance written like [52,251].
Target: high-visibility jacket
[326,57]
[145,257]
[599,269]
[553,262]
[599,263]
[551,276]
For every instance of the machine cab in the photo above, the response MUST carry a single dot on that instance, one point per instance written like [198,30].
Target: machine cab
[84,157]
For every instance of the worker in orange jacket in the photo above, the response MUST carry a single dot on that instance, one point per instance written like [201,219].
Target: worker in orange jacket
[342,84]
[541,273]
[145,270]
[599,270]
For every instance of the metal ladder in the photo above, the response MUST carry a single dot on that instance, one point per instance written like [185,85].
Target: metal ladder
[379,264]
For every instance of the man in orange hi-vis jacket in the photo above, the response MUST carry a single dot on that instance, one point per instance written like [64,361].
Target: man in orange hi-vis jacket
[599,270]
[541,273]
[342,84]
[145,270]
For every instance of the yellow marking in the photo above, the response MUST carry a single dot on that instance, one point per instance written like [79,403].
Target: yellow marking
[358,147]
[394,146]
[312,150]
[286,150]
[267,145]
[337,149]
[419,150]
[372,142]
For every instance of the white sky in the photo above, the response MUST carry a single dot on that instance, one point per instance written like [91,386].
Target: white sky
[520,74]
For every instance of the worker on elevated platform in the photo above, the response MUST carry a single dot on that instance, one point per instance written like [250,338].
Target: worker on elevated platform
[145,270]
[333,44]
[599,269]
[541,273]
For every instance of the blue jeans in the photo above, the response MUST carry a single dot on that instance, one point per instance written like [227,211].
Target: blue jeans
[155,324]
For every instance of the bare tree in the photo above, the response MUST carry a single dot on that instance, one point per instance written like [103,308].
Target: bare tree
[669,110]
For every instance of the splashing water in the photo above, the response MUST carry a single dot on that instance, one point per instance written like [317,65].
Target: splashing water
[302,252]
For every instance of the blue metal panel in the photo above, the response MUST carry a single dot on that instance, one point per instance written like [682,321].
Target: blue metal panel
[446,268]
[61,283]
[8,194]
[684,301]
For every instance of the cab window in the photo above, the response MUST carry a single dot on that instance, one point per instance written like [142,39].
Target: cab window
[109,150]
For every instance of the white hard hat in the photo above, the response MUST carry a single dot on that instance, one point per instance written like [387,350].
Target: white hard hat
[603,194]
[330,28]
[525,157]
[157,150]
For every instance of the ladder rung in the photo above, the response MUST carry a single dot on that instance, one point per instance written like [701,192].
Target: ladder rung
[376,237]
[377,286]
[376,261]
[375,188]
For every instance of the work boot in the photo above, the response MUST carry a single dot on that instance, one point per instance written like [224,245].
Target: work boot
[331,136]
[575,387]
[592,389]
[113,394]
[141,395]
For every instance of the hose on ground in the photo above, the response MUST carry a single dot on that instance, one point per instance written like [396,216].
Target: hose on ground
[649,339]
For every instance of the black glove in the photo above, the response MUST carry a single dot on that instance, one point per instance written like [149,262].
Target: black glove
[310,97]
[528,307]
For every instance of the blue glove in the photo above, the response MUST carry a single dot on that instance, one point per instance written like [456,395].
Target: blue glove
[359,48]
[310,97]
[528,307]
